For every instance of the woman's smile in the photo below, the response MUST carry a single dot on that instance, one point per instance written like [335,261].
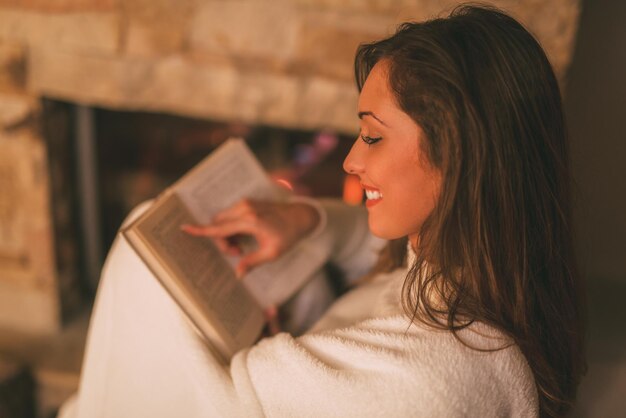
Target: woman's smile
[373,195]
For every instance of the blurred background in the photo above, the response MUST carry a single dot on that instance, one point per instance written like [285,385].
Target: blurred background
[103,103]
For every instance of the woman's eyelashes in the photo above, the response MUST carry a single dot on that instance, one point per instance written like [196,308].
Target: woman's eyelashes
[369,140]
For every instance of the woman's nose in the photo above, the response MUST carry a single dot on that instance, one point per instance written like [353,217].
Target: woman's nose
[354,162]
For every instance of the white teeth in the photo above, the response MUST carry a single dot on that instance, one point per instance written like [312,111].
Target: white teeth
[373,195]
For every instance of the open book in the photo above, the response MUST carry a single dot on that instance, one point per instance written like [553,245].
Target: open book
[227,311]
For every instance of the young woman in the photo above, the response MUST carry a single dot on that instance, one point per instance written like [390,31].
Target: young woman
[472,309]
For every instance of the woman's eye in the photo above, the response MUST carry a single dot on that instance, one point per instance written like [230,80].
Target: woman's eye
[370,140]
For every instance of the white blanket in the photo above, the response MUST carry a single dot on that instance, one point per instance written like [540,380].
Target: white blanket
[362,359]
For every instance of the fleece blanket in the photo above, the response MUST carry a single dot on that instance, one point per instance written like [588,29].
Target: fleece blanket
[363,358]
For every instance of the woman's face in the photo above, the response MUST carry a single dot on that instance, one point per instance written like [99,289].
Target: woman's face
[401,186]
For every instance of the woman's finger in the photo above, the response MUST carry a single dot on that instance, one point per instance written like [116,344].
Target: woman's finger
[196,230]
[234,227]
[224,229]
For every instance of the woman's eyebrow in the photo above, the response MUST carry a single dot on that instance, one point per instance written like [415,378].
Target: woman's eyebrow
[368,113]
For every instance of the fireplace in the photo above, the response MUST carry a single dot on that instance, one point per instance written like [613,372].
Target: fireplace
[105,162]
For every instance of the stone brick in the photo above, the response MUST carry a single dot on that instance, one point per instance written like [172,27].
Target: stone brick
[60,5]
[25,239]
[79,78]
[147,40]
[328,104]
[12,67]
[222,93]
[179,86]
[32,311]
[168,11]
[94,33]
[28,294]
[251,28]
[12,245]
[156,27]
[267,98]
[176,86]
[554,24]
[328,49]
[389,7]
[15,110]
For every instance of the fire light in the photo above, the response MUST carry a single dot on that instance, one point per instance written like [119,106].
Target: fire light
[284,183]
[352,190]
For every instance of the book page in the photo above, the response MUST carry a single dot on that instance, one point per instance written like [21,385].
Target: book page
[228,175]
[200,269]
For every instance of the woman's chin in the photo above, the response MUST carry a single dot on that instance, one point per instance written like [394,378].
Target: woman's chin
[380,230]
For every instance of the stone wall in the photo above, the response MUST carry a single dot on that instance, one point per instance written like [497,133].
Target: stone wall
[28,292]
[282,62]
[279,62]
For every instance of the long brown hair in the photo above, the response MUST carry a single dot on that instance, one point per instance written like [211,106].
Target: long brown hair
[498,246]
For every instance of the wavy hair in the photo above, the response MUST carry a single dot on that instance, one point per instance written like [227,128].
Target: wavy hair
[498,247]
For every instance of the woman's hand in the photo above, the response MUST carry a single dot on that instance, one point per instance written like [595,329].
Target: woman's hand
[276,227]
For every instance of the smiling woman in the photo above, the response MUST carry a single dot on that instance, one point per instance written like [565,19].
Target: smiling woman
[496,244]
[463,156]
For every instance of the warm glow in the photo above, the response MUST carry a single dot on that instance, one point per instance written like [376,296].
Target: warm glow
[352,190]
[284,183]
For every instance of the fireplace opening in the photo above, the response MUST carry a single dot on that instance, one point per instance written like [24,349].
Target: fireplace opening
[104,162]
